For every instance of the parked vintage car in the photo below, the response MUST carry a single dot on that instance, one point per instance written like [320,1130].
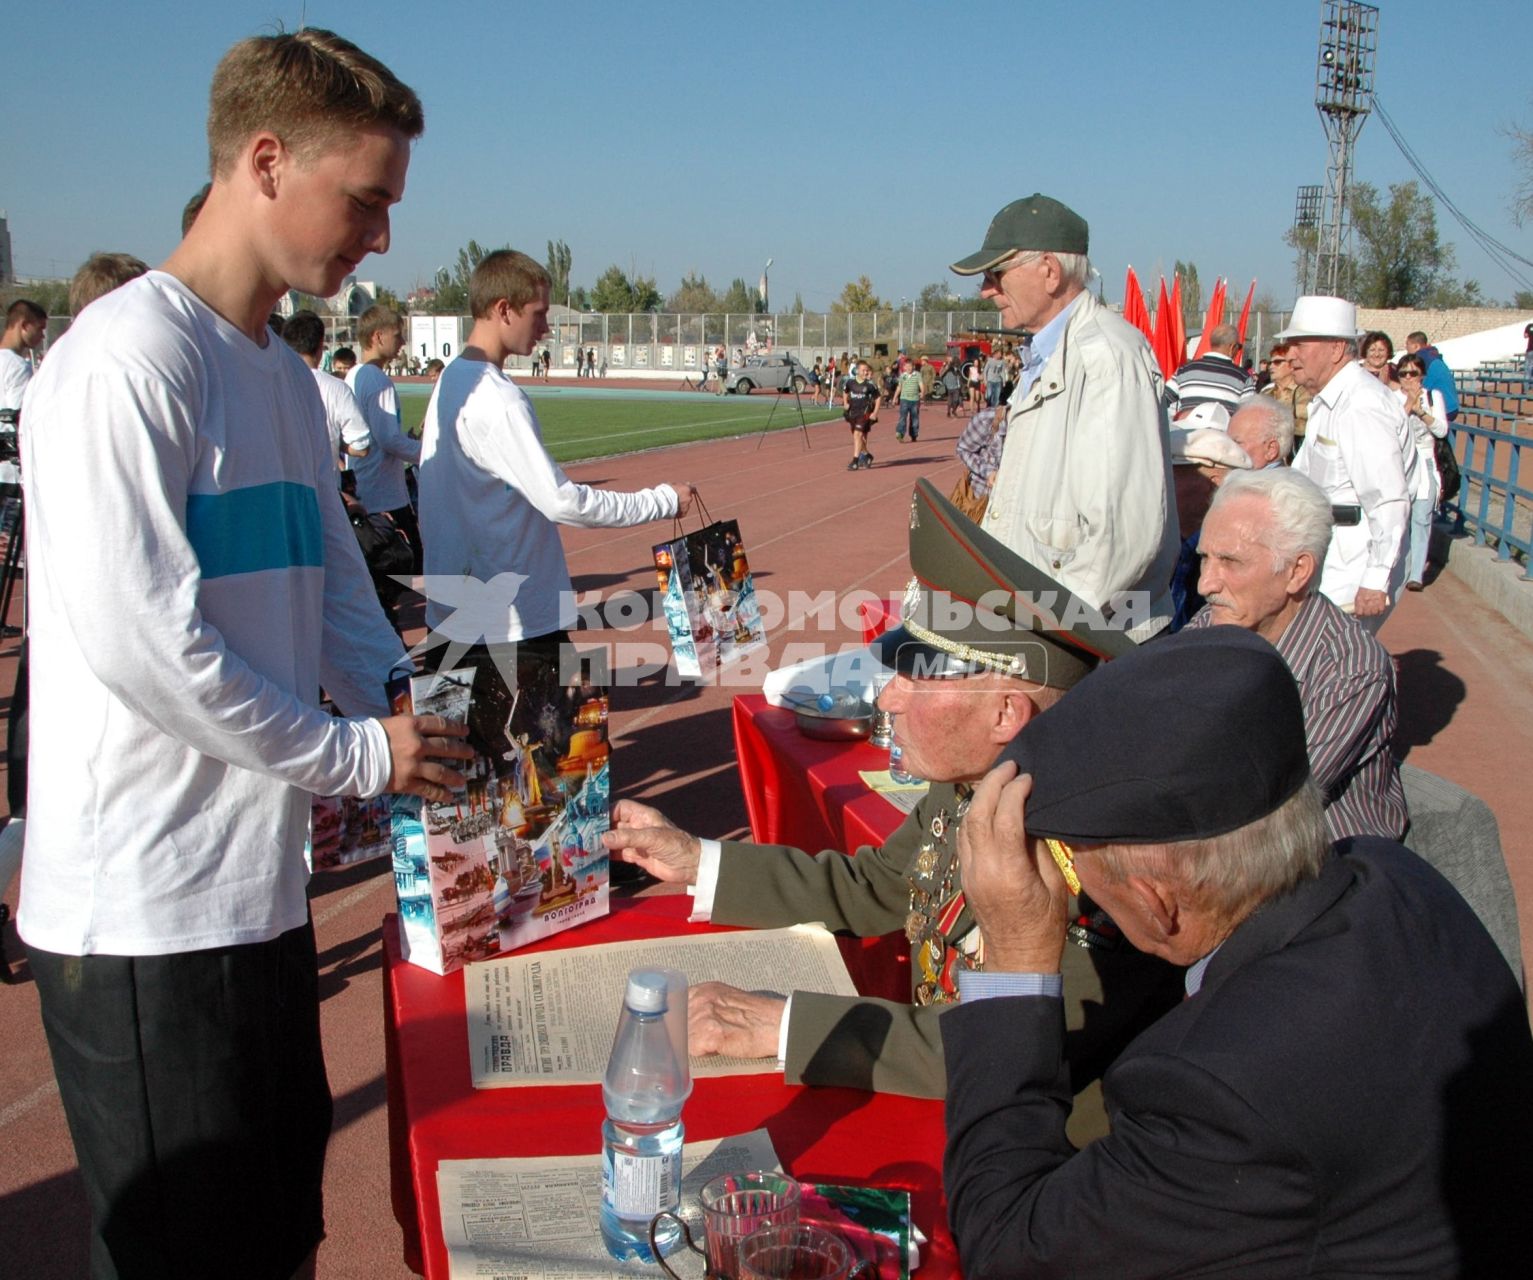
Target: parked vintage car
[774,373]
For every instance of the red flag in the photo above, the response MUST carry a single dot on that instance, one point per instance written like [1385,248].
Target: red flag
[1212,319]
[1179,326]
[1134,309]
[1245,313]
[1162,341]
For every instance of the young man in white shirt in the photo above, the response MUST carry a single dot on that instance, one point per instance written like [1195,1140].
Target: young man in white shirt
[381,476]
[491,497]
[25,326]
[344,423]
[193,581]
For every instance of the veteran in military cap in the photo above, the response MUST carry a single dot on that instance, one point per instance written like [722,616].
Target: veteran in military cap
[1347,1088]
[1084,486]
[987,644]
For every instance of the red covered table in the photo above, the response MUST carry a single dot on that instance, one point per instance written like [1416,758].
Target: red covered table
[803,792]
[435,1113]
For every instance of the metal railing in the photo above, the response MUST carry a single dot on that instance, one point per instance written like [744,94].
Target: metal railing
[1494,426]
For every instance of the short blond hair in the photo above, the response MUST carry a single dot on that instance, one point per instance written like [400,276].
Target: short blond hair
[377,319]
[100,274]
[305,87]
[504,274]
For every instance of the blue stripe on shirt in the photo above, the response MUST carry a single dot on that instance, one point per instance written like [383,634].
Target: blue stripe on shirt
[263,526]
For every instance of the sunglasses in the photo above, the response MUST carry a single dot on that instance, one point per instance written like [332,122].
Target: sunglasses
[1408,373]
[1064,859]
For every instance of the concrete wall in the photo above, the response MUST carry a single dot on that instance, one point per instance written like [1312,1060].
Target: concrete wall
[1439,326]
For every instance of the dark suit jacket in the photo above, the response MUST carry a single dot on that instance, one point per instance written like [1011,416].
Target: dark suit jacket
[1350,1093]
[897,1048]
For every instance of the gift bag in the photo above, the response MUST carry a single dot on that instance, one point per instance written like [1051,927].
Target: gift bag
[347,829]
[516,855]
[708,597]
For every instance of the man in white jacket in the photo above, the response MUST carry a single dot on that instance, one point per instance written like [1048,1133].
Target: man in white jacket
[193,581]
[1084,487]
[491,497]
[1358,449]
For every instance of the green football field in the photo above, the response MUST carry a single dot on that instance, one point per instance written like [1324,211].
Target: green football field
[587,424]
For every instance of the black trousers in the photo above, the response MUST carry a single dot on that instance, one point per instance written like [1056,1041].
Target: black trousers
[196,1094]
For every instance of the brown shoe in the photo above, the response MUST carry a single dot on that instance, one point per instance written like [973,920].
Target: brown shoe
[1414,586]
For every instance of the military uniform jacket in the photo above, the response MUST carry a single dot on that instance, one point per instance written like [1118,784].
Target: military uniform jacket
[888,1047]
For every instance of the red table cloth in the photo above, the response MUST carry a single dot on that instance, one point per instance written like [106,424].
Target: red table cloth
[435,1113]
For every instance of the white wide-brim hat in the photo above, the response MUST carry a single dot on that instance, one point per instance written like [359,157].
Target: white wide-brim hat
[1317,316]
[1207,447]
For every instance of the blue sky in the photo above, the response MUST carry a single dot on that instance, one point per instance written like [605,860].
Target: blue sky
[840,140]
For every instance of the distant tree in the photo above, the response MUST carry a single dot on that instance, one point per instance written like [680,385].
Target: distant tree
[1401,262]
[798,305]
[1192,294]
[388,298]
[558,266]
[51,295]
[858,295]
[1522,161]
[1522,300]
[739,298]
[452,286]
[694,297]
[1451,294]
[614,292]
[938,296]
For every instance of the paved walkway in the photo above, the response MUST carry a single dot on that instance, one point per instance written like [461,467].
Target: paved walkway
[810,527]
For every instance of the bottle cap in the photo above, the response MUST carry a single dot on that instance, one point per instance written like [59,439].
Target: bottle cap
[646,991]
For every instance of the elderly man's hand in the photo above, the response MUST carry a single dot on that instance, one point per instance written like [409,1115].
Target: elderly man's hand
[1017,894]
[738,1024]
[647,837]
[1369,604]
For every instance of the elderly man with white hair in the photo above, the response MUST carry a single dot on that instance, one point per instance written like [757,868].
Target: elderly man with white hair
[1263,541]
[1264,428]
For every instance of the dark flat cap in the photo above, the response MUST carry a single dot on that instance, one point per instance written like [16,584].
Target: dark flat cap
[974,604]
[1187,737]
[1037,223]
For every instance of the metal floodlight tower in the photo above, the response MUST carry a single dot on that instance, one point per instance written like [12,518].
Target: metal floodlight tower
[1349,44]
[1306,223]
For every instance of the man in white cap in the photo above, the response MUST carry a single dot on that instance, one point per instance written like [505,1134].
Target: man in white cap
[1084,486]
[1358,449]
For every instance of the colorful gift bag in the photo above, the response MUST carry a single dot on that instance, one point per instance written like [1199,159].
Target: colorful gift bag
[346,829]
[516,855]
[708,598]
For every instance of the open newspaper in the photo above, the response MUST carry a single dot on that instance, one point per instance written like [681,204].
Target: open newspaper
[538,1218]
[549,1017]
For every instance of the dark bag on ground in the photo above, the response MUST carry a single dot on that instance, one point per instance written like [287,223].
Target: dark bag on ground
[1447,469]
[384,547]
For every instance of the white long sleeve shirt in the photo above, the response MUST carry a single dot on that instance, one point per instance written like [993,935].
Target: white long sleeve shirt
[193,582]
[1358,448]
[344,423]
[491,501]
[381,475]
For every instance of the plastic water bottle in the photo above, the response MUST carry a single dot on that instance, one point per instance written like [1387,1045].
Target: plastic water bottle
[647,1082]
[897,773]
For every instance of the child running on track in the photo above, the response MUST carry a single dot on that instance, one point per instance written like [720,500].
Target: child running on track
[861,413]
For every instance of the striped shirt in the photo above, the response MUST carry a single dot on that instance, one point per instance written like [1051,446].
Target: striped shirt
[979,447]
[1209,377]
[1347,687]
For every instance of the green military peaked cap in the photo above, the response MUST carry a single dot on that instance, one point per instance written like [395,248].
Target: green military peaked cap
[975,605]
[1037,224]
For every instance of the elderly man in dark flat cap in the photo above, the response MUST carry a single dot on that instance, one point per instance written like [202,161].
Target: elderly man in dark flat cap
[1084,486]
[1347,1088]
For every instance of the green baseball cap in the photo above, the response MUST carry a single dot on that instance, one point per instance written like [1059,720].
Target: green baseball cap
[1036,224]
